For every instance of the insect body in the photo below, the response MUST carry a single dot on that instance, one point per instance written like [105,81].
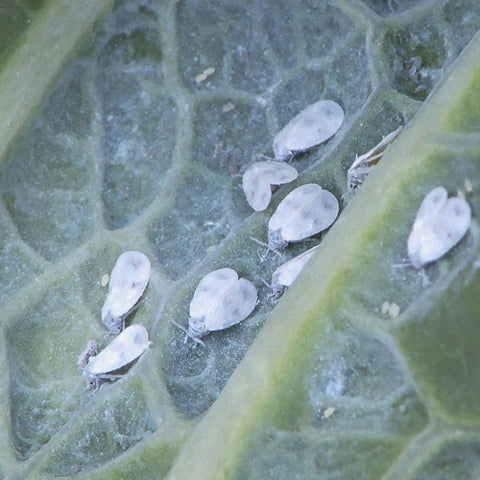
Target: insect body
[312,126]
[220,300]
[128,281]
[440,224]
[259,177]
[122,350]
[304,212]
[362,166]
[286,273]
[90,351]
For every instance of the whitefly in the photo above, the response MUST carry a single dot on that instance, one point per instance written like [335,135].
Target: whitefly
[220,300]
[311,127]
[128,281]
[258,180]
[286,274]
[363,165]
[304,212]
[120,352]
[440,223]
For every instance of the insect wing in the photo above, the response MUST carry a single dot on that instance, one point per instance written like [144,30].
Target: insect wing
[305,211]
[128,281]
[122,350]
[376,152]
[210,290]
[312,126]
[277,173]
[257,190]
[235,305]
[447,230]
[430,207]
[286,274]
[422,238]
[453,222]
[258,178]
[438,226]
[363,164]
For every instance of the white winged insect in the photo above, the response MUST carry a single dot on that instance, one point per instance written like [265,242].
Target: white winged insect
[362,166]
[304,212]
[312,126]
[440,223]
[128,281]
[258,180]
[287,273]
[220,300]
[122,350]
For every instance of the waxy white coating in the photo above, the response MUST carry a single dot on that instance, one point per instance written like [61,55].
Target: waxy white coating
[440,224]
[287,273]
[258,179]
[220,300]
[362,166]
[304,212]
[312,126]
[128,281]
[121,351]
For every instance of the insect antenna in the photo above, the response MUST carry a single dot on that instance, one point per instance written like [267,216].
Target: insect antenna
[187,335]
[266,157]
[268,249]
[405,264]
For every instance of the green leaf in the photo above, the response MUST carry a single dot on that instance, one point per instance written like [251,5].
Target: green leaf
[111,142]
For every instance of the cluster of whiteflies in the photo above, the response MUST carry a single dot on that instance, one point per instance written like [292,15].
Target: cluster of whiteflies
[222,299]
[128,281]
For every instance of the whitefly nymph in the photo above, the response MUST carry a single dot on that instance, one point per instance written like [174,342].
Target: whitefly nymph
[221,300]
[286,274]
[121,351]
[304,212]
[128,281]
[258,180]
[312,126]
[440,223]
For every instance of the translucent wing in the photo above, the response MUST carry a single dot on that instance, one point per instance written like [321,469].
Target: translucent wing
[305,211]
[128,281]
[363,164]
[286,274]
[259,177]
[431,205]
[122,350]
[210,290]
[422,238]
[438,226]
[312,126]
[236,305]
[453,222]
[368,158]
